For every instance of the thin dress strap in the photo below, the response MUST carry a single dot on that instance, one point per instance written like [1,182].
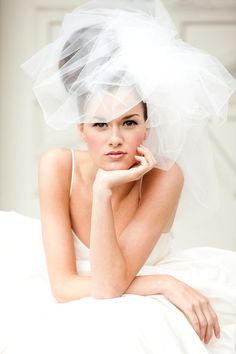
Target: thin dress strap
[73,170]
[140,189]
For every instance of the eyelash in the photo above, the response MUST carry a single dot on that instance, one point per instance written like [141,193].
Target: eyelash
[133,123]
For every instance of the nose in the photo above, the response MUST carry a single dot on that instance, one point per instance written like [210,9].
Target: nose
[116,137]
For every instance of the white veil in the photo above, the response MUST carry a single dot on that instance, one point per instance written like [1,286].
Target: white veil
[112,49]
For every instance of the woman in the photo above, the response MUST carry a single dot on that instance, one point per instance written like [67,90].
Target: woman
[111,208]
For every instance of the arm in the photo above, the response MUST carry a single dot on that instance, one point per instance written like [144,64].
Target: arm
[66,284]
[194,305]
[54,173]
[115,261]
[107,262]
[79,286]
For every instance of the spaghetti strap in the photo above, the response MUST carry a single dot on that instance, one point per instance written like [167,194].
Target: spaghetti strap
[140,188]
[73,169]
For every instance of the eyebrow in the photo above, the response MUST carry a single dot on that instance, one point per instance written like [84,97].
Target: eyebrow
[129,116]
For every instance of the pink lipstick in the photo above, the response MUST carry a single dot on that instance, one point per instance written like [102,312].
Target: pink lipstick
[116,154]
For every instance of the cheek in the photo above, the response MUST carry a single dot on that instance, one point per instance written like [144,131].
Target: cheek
[93,141]
[136,139]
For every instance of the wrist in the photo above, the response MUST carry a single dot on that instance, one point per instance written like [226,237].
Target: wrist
[165,280]
[161,283]
[148,285]
[101,183]
[101,190]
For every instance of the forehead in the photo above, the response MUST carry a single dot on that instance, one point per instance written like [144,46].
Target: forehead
[108,105]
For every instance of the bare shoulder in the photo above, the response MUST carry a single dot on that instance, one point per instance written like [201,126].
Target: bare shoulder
[55,168]
[160,194]
[55,156]
[158,179]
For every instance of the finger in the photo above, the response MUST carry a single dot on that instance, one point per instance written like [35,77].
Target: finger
[193,319]
[216,322]
[141,151]
[210,322]
[142,159]
[147,154]
[150,158]
[202,321]
[146,151]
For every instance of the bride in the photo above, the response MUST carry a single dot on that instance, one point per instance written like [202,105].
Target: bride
[107,212]
[119,228]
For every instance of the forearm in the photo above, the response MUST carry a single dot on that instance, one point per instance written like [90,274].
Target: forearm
[147,285]
[73,288]
[107,262]
[79,286]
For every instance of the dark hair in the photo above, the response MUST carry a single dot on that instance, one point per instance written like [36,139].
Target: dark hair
[84,37]
[144,110]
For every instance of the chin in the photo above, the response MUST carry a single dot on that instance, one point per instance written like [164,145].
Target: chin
[117,165]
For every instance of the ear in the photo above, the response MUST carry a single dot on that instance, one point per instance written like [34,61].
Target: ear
[146,133]
[81,130]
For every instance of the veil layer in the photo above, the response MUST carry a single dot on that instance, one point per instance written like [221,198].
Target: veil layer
[111,56]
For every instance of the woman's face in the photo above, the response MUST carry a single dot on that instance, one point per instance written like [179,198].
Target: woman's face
[123,134]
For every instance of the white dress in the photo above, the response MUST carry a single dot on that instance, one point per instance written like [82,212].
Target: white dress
[32,322]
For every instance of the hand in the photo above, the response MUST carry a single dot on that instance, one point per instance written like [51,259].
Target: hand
[195,307]
[145,162]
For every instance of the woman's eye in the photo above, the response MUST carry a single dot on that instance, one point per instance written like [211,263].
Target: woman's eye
[100,125]
[131,122]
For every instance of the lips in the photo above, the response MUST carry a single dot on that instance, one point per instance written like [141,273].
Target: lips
[115,155]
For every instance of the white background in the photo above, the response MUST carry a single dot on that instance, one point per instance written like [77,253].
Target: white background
[27,25]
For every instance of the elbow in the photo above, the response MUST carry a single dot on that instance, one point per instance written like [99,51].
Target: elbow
[59,295]
[105,293]
[103,289]
[60,300]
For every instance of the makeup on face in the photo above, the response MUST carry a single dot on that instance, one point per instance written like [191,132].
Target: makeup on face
[112,144]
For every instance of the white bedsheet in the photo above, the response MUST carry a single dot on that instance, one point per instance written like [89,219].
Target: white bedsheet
[32,322]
